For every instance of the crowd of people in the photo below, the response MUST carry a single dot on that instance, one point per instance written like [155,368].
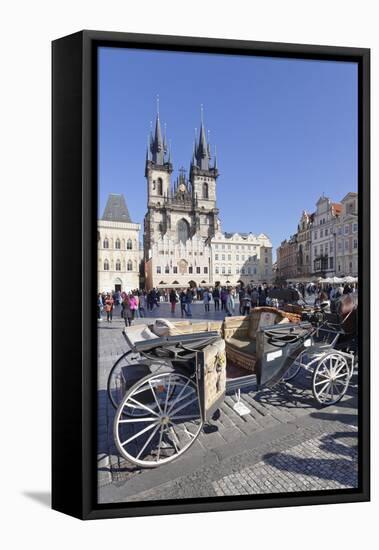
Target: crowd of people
[138,303]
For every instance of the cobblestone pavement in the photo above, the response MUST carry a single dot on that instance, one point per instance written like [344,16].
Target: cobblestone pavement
[285,443]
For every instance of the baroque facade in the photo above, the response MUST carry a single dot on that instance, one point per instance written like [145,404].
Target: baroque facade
[346,232]
[326,242]
[241,257]
[119,253]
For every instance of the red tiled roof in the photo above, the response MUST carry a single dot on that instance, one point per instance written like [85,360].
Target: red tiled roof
[337,207]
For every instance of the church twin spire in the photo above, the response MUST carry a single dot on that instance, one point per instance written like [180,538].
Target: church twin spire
[158,152]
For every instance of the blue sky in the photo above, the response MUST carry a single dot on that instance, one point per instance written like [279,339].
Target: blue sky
[285,130]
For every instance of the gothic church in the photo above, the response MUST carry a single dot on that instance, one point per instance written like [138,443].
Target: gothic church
[182,215]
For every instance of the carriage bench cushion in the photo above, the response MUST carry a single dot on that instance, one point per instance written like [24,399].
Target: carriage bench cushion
[138,333]
[244,345]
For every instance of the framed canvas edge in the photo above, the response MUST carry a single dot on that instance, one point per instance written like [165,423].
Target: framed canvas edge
[87,506]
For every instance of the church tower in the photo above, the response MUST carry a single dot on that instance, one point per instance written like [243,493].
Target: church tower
[158,170]
[203,177]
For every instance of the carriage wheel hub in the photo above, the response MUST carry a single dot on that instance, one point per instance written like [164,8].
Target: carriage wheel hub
[165,419]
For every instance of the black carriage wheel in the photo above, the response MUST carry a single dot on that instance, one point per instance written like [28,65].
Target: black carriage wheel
[115,372]
[331,378]
[171,426]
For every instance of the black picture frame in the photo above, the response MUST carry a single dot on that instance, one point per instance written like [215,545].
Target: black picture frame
[74,208]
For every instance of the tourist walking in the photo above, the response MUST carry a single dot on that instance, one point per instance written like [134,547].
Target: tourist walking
[174,299]
[206,299]
[133,305]
[99,307]
[224,297]
[109,302]
[143,304]
[189,299]
[229,303]
[245,304]
[127,311]
[216,298]
[183,301]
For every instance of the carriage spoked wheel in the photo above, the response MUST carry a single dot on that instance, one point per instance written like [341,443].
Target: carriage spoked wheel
[331,378]
[170,426]
[115,384]
[294,369]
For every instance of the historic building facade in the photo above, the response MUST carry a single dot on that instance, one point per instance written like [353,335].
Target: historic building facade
[346,234]
[287,259]
[323,239]
[241,257]
[182,216]
[303,239]
[119,252]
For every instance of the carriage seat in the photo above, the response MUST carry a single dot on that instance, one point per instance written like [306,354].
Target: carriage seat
[164,327]
[240,334]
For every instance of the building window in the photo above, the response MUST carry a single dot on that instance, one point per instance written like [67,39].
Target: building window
[217,270]
[205,270]
[106,265]
[237,270]
[216,247]
[355,243]
[158,268]
[346,245]
[229,270]
[175,269]
[355,227]
[129,244]
[159,186]
[223,269]
[315,250]
[167,269]
[340,230]
[118,265]
[223,247]
[205,191]
[216,256]
[346,229]
[266,260]
[248,270]
[321,233]
[339,246]
[243,271]
[326,232]
[331,263]
[229,257]
[255,271]
[229,246]
[243,257]
[118,244]
[130,265]
[331,246]
[105,243]
[183,230]
[190,269]
[223,257]
[315,234]
[237,257]
[198,269]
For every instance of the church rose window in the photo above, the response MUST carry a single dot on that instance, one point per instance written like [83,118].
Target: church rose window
[183,231]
